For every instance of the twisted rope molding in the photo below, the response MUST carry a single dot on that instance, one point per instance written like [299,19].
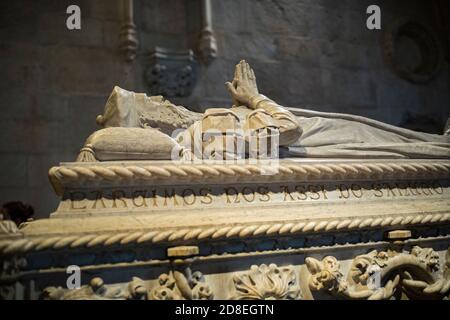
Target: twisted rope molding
[23,245]
[66,174]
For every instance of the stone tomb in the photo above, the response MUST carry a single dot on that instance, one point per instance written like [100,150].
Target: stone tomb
[290,229]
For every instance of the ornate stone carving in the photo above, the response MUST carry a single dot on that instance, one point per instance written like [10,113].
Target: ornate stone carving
[178,286]
[97,290]
[429,288]
[171,73]
[382,274]
[175,285]
[266,282]
[427,256]
[325,274]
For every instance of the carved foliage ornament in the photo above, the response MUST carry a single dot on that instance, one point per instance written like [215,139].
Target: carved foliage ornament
[266,282]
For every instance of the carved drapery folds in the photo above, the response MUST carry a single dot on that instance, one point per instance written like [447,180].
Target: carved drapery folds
[266,282]
[383,275]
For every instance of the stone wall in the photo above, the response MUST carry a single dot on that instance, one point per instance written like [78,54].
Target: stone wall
[310,54]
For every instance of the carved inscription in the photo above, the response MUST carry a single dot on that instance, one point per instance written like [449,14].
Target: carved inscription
[185,197]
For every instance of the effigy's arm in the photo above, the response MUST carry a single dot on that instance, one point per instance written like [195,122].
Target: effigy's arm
[287,123]
[244,91]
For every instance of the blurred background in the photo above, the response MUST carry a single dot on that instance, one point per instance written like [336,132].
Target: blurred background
[315,54]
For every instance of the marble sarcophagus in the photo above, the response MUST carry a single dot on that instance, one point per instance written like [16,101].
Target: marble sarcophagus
[294,229]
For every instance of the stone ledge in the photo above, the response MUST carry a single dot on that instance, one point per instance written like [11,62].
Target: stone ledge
[168,172]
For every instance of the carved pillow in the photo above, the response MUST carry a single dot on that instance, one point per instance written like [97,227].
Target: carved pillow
[118,143]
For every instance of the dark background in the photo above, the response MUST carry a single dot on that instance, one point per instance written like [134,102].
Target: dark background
[306,53]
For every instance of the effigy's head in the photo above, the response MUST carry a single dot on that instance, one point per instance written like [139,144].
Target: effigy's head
[137,110]
[120,110]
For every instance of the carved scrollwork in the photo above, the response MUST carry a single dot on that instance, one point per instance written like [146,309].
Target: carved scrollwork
[266,282]
[437,289]
[177,286]
[381,274]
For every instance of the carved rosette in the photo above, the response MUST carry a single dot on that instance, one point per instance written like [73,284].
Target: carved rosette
[176,286]
[266,282]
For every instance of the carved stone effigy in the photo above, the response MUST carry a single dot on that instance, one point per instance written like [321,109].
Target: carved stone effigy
[141,226]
